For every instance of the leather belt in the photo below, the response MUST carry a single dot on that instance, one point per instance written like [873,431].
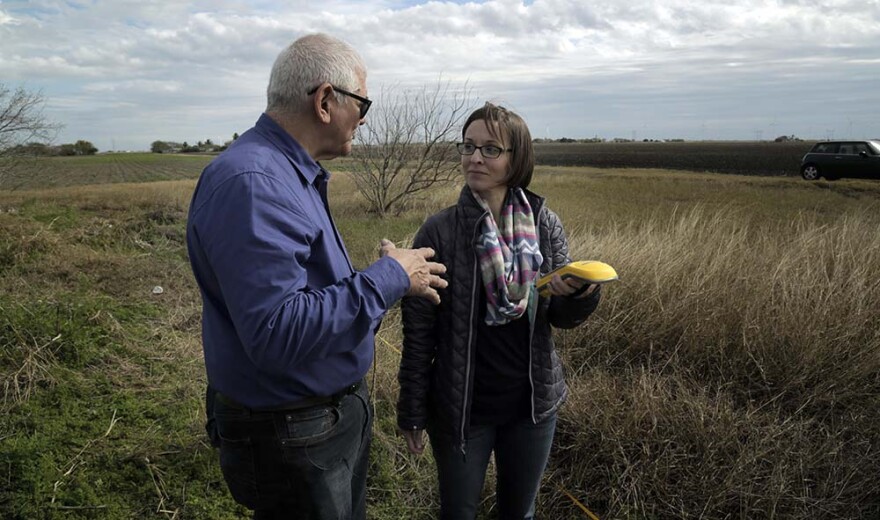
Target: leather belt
[308,402]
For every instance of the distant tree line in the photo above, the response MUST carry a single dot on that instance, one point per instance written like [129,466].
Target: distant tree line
[36,149]
[200,147]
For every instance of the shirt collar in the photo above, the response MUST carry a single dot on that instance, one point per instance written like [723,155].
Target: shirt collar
[309,168]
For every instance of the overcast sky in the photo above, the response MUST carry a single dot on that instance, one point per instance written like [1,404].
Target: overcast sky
[124,73]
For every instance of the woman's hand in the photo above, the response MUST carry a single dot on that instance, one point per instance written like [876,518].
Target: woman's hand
[415,441]
[571,287]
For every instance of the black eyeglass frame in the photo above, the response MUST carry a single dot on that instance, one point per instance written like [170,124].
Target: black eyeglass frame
[459,146]
[365,102]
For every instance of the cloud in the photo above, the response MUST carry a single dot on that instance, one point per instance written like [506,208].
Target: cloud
[134,87]
[6,19]
[578,66]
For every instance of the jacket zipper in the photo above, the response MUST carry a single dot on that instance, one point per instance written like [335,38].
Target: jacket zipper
[467,370]
[532,317]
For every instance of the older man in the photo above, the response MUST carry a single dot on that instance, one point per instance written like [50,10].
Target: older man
[288,323]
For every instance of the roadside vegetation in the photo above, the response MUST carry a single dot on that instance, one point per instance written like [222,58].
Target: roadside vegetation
[732,372]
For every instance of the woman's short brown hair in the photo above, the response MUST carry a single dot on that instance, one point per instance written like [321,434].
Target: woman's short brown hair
[516,136]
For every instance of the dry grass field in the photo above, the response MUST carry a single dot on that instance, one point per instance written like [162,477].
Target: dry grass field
[53,172]
[741,157]
[732,372]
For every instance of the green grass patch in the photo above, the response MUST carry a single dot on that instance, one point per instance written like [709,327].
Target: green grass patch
[100,414]
[52,215]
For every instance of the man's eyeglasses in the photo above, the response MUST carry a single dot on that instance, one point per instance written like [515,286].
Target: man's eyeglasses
[489,151]
[365,103]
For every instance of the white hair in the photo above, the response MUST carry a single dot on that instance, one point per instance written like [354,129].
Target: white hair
[307,63]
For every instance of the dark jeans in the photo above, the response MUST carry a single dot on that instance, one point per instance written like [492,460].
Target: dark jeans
[309,463]
[521,452]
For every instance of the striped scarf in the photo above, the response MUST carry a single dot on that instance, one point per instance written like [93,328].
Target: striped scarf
[509,258]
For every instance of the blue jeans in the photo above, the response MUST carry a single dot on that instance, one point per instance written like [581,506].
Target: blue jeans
[308,463]
[521,452]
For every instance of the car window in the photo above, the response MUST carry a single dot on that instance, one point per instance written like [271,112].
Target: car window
[825,148]
[847,149]
[860,147]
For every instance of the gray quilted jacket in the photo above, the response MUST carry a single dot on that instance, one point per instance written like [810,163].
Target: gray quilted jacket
[436,372]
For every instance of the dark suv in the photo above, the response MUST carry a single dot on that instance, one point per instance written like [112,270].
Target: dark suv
[836,159]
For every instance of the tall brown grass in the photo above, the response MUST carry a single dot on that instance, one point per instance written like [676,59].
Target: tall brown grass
[733,372]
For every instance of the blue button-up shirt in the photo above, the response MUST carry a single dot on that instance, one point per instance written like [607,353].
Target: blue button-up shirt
[285,316]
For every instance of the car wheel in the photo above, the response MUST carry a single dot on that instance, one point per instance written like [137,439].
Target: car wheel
[810,172]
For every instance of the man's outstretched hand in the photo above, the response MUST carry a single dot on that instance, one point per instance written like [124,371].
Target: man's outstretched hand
[424,276]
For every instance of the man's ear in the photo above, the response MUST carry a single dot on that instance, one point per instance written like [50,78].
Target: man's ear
[321,102]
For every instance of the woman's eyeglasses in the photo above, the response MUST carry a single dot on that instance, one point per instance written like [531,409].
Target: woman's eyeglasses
[489,151]
[365,103]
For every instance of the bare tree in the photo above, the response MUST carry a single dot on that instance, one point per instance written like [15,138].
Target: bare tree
[407,145]
[21,122]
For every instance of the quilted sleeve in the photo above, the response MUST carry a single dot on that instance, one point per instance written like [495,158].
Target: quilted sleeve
[419,345]
[565,312]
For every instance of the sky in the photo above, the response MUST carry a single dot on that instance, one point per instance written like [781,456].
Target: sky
[124,73]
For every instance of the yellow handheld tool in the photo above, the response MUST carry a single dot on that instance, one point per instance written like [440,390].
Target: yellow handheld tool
[591,270]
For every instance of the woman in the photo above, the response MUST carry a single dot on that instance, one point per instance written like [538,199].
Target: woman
[479,371]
